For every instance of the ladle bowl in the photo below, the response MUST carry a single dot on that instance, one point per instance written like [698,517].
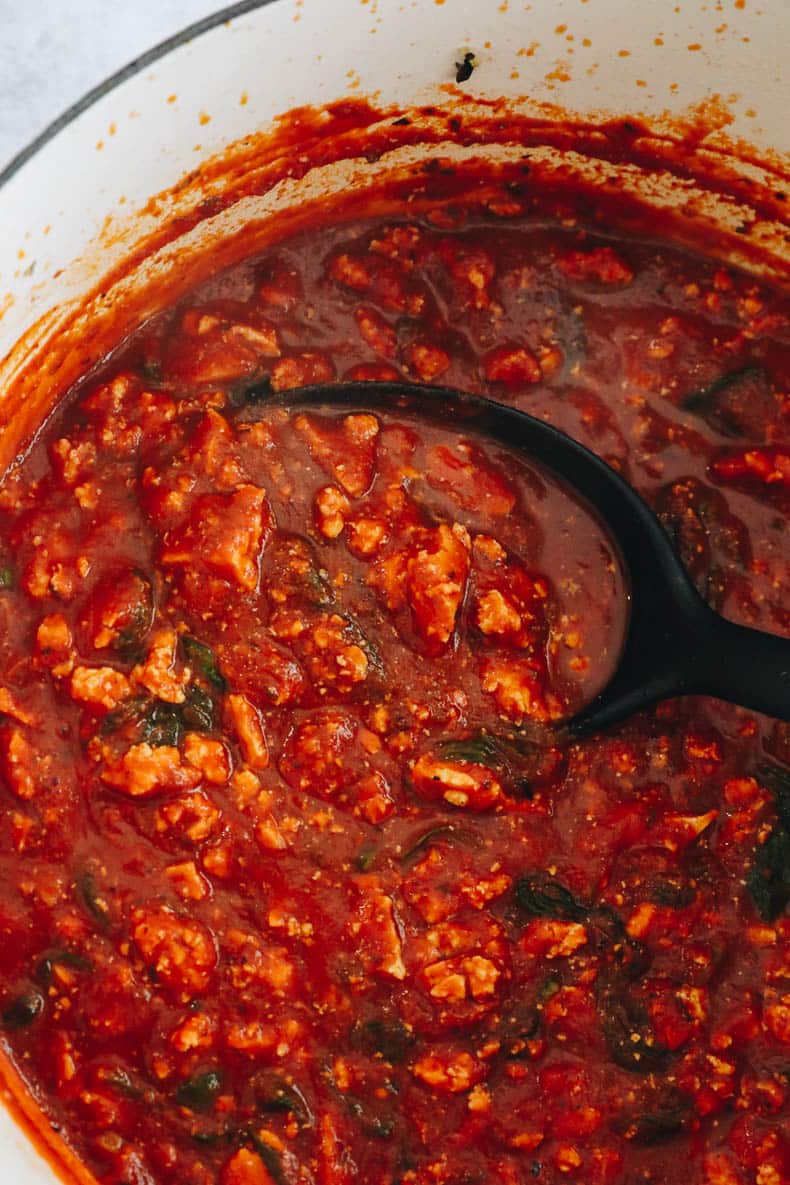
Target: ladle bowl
[674,643]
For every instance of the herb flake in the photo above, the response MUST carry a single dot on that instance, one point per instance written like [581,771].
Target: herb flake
[205,660]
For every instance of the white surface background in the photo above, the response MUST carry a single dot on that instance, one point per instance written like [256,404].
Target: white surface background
[53,51]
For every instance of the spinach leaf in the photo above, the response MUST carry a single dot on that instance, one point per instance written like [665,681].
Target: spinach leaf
[274,1094]
[127,713]
[269,1157]
[444,831]
[735,404]
[522,762]
[93,899]
[198,710]
[623,958]
[210,1137]
[372,1123]
[120,1080]
[670,890]
[139,619]
[543,896]
[632,1044]
[464,69]
[257,391]
[482,750]
[653,1127]
[199,1093]
[702,396]
[777,780]
[366,857]
[162,724]
[23,1010]
[165,724]
[64,958]
[205,660]
[520,1025]
[358,636]
[297,572]
[385,1037]
[769,879]
[659,1120]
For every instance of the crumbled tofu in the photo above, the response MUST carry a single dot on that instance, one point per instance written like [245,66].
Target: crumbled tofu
[208,756]
[249,729]
[159,673]
[180,950]
[146,769]
[100,687]
[187,881]
[452,1074]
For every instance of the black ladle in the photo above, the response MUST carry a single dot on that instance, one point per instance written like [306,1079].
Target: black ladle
[675,643]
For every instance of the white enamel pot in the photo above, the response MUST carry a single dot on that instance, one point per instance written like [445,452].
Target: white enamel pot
[76,206]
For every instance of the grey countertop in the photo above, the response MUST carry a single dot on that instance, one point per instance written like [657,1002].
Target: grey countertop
[53,51]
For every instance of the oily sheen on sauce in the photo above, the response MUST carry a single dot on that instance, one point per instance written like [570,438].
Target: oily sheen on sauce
[296,884]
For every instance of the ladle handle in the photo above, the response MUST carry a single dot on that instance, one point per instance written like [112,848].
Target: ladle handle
[744,666]
[704,655]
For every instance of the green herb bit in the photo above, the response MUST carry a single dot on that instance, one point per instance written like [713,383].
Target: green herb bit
[369,649]
[119,1080]
[209,1138]
[93,900]
[445,831]
[573,338]
[372,1124]
[480,750]
[199,1093]
[205,660]
[151,370]
[544,897]
[548,988]
[653,1127]
[736,404]
[6,578]
[274,1094]
[316,585]
[699,399]
[22,1011]
[387,1038]
[63,958]
[366,857]
[670,891]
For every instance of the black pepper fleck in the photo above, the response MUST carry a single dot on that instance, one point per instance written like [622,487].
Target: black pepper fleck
[463,70]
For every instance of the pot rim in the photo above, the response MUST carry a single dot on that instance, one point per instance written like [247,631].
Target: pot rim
[222,16]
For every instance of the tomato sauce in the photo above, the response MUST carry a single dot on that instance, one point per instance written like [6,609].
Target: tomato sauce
[299,882]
